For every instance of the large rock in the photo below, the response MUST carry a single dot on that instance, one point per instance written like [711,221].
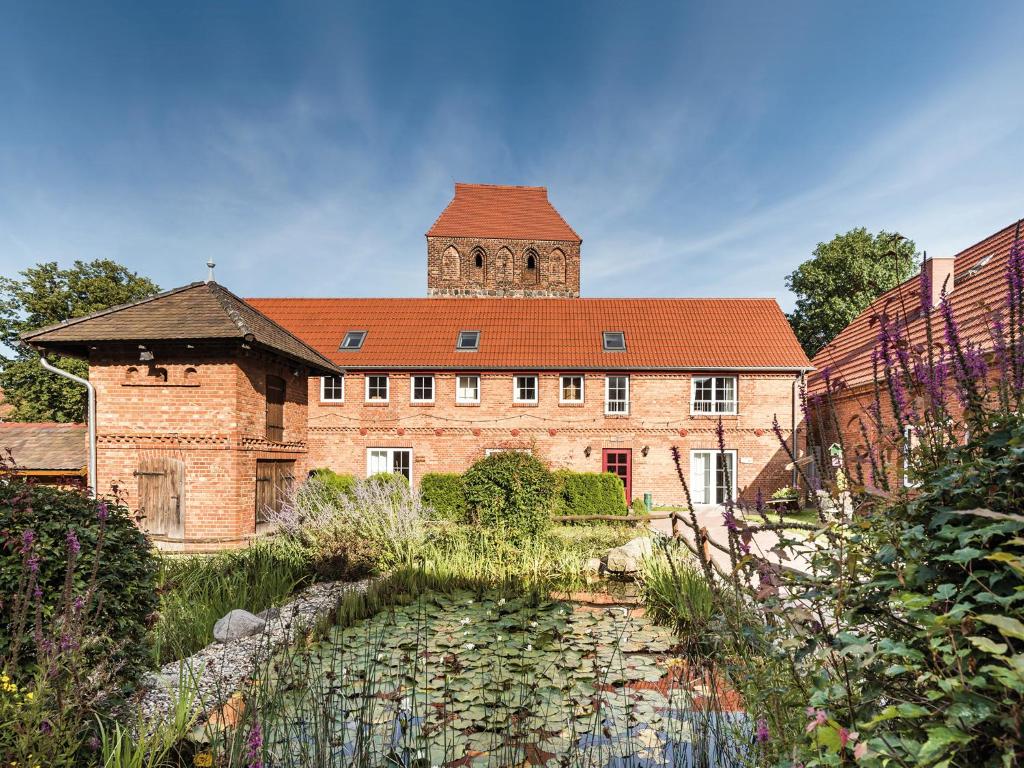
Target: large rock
[628,558]
[237,624]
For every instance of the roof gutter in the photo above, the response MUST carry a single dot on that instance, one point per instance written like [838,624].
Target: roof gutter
[91,416]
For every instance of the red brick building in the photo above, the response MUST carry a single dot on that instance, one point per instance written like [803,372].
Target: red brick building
[975,283]
[502,356]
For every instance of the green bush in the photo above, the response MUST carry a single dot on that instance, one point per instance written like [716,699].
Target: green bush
[511,491]
[445,494]
[115,561]
[389,481]
[589,493]
[341,485]
[638,507]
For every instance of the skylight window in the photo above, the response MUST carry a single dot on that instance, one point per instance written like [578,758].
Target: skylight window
[469,341]
[978,267]
[614,341]
[353,340]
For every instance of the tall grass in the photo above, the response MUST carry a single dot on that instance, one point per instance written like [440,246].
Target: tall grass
[196,590]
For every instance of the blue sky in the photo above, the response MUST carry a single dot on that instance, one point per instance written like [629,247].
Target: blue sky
[699,149]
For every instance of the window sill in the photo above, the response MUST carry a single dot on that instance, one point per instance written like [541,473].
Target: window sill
[376,404]
[467,405]
[714,415]
[417,404]
[571,404]
[616,415]
[525,405]
[331,403]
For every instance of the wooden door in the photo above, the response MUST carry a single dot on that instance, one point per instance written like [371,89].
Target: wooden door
[162,496]
[273,485]
[619,462]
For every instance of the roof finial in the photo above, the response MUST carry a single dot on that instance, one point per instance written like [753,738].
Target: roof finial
[209,276]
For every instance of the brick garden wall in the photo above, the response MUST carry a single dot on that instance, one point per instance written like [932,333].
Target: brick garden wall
[205,407]
[451,269]
[449,437]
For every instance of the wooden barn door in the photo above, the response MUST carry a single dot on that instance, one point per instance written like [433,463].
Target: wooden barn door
[273,484]
[162,496]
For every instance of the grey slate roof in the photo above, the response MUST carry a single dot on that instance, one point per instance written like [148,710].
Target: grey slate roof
[45,446]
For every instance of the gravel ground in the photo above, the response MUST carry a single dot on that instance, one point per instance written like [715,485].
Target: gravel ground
[220,669]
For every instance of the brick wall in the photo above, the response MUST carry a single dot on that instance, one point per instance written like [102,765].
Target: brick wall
[452,270]
[449,437]
[206,408]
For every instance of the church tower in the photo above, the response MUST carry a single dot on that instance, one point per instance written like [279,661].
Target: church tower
[496,240]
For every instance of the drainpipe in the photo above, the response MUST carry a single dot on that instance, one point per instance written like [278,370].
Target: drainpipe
[91,416]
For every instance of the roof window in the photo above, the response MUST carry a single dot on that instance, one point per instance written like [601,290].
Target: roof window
[977,267]
[614,341]
[468,341]
[353,340]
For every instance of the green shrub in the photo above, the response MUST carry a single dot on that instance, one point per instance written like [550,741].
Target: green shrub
[389,481]
[115,561]
[446,495]
[589,493]
[638,508]
[511,491]
[341,485]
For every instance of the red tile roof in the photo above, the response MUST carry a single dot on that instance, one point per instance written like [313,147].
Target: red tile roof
[491,210]
[551,334]
[978,289]
[45,445]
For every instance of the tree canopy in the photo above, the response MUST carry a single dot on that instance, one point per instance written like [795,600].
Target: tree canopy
[46,294]
[842,278]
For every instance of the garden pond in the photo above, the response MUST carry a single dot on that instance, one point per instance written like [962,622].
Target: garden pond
[464,679]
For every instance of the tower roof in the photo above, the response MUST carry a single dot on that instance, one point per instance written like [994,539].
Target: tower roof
[493,210]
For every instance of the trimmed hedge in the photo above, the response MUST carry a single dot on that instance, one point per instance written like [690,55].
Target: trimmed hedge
[511,491]
[340,485]
[446,495]
[589,493]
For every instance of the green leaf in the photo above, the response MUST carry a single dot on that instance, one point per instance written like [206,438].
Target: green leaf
[940,738]
[1007,625]
[986,645]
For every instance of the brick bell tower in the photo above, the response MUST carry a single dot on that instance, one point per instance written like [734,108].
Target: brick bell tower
[494,240]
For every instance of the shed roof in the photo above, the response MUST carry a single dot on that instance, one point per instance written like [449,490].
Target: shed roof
[195,312]
[551,334]
[45,446]
[493,210]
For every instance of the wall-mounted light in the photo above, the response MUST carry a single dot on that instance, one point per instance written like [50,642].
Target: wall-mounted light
[586,451]
[645,450]
[145,356]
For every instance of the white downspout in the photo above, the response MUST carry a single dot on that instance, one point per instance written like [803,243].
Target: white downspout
[91,416]
[793,432]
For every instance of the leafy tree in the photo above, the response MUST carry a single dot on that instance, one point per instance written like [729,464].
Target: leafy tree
[44,295]
[845,275]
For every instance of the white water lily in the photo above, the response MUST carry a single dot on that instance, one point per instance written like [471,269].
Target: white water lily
[469,646]
[500,638]
[464,621]
[501,601]
[533,624]
[529,647]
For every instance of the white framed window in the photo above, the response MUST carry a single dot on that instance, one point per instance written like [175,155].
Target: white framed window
[570,389]
[713,394]
[909,443]
[613,341]
[492,451]
[421,389]
[353,340]
[712,474]
[524,389]
[377,389]
[397,460]
[467,389]
[332,389]
[468,341]
[616,395]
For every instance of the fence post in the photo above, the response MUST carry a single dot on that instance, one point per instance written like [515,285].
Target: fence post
[675,525]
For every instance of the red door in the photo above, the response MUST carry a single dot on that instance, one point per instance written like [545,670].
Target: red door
[619,461]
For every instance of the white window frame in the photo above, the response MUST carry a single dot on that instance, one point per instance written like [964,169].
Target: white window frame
[458,341]
[607,400]
[734,403]
[515,387]
[387,388]
[561,388]
[716,455]
[390,459]
[458,387]
[605,335]
[909,442]
[412,388]
[323,390]
[353,347]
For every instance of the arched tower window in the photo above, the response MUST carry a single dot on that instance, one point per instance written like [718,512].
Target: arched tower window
[530,276]
[556,267]
[503,266]
[450,263]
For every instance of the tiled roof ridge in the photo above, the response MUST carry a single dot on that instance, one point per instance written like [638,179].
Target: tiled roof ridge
[471,184]
[40,424]
[497,299]
[222,295]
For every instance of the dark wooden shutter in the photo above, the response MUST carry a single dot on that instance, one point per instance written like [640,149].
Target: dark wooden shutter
[274,481]
[162,496]
[275,408]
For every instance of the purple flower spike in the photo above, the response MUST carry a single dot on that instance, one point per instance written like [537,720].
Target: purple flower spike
[102,511]
[762,734]
[74,545]
[254,746]
[28,537]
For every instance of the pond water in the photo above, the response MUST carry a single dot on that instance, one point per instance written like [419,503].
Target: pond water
[463,680]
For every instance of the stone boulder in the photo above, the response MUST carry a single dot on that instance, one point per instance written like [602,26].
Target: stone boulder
[236,624]
[626,560]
